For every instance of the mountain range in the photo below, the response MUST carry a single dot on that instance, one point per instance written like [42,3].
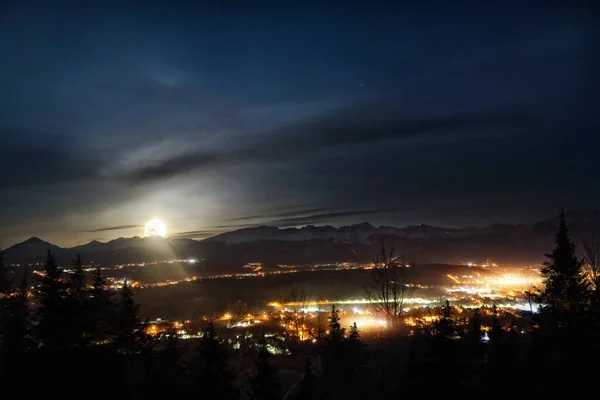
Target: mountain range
[503,243]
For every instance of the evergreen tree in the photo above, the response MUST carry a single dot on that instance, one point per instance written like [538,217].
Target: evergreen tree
[210,369]
[335,336]
[444,325]
[101,309]
[128,329]
[354,359]
[354,335]
[496,348]
[18,338]
[307,387]
[77,281]
[446,310]
[562,346]
[17,341]
[334,357]
[165,370]
[496,326]
[354,352]
[565,286]
[415,374]
[474,333]
[170,359]
[78,322]
[263,385]
[502,361]
[51,306]
[5,281]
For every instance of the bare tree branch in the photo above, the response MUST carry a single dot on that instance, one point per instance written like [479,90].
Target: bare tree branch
[298,301]
[591,259]
[389,290]
[320,325]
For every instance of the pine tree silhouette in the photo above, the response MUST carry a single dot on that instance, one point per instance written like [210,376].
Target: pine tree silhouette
[416,370]
[335,336]
[165,370]
[333,357]
[5,281]
[308,385]
[564,328]
[51,306]
[78,323]
[565,286]
[263,384]
[495,348]
[354,335]
[77,281]
[444,325]
[17,342]
[102,309]
[354,352]
[209,368]
[353,363]
[474,334]
[496,326]
[128,329]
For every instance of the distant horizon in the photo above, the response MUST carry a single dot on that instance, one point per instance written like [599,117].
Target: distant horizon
[191,236]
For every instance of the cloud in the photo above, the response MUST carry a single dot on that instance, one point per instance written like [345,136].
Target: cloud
[319,218]
[284,222]
[112,228]
[376,122]
[236,226]
[192,234]
[358,125]
[279,215]
[176,165]
[41,159]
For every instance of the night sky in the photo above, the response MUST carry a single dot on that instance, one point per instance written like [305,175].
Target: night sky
[214,117]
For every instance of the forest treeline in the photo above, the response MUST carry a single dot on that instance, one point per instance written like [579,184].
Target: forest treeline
[63,337]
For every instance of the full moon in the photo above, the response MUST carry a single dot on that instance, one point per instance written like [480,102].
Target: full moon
[155,227]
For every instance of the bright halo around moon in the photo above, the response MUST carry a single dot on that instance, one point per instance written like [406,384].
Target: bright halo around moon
[155,227]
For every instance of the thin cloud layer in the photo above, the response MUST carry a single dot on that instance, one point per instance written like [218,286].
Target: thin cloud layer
[332,216]
[192,234]
[358,125]
[300,212]
[113,228]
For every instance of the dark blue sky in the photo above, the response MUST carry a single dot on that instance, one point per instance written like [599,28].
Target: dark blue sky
[217,115]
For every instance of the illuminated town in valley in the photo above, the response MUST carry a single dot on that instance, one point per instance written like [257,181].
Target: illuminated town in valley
[486,285]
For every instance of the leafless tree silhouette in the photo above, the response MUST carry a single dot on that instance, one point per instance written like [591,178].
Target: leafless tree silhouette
[591,259]
[389,290]
[531,295]
[320,324]
[298,301]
